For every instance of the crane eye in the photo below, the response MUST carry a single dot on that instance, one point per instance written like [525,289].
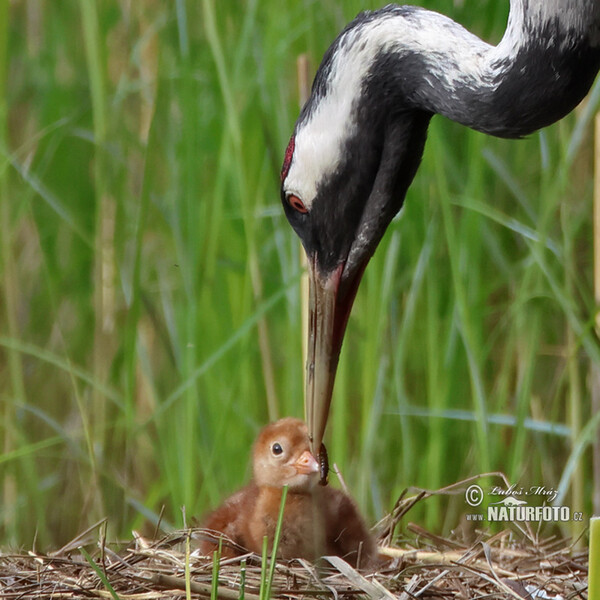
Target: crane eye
[297,204]
[276,449]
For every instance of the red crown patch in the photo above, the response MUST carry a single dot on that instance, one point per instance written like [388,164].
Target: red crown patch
[287,161]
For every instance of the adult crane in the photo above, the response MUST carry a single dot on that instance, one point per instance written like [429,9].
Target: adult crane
[359,138]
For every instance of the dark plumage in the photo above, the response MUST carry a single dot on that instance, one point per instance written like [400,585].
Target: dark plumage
[317,520]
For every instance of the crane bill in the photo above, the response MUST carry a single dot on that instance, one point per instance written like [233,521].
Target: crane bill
[329,303]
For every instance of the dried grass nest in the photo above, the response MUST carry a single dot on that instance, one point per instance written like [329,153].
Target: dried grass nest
[422,565]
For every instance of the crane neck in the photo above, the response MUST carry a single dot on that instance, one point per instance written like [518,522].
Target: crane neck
[406,57]
[541,69]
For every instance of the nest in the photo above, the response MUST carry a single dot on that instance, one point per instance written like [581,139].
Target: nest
[422,565]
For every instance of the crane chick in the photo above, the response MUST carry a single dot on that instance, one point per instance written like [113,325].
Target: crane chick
[317,520]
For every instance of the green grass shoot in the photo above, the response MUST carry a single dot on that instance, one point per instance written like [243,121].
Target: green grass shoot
[268,568]
[98,570]
[242,595]
[187,570]
[594,560]
[264,569]
[214,592]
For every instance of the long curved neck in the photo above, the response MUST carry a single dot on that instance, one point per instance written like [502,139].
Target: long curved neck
[405,57]
[541,69]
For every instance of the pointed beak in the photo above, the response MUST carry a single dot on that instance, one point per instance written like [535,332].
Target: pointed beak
[306,464]
[330,302]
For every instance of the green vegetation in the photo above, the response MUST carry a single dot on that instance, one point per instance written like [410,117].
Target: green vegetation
[594,581]
[101,575]
[150,317]
[266,583]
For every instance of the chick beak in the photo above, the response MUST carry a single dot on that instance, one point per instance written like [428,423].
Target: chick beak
[306,464]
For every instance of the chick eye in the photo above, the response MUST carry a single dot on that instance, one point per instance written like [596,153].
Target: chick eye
[276,449]
[297,204]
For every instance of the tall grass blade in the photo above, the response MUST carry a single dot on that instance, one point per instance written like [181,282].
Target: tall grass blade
[102,576]
[264,569]
[594,560]
[187,571]
[269,582]
[268,570]
[95,420]
[242,595]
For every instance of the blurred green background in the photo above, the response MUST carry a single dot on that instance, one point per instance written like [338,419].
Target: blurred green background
[150,312]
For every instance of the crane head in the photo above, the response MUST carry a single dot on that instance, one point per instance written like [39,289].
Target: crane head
[341,185]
